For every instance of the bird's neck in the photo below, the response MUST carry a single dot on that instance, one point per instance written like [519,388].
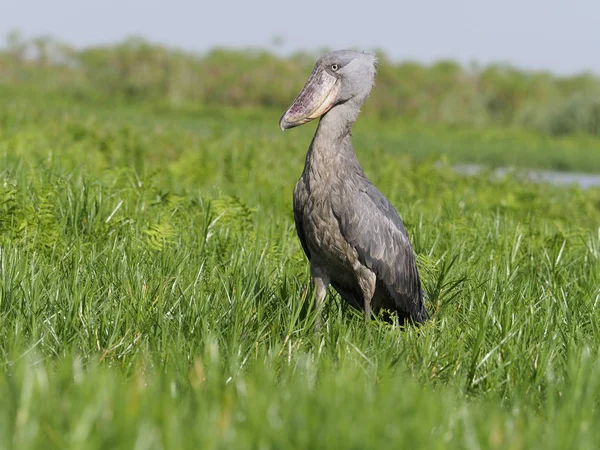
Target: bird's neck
[337,123]
[331,149]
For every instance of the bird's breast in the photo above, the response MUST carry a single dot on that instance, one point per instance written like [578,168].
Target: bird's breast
[321,227]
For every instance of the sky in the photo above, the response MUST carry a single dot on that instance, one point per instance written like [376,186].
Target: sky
[560,36]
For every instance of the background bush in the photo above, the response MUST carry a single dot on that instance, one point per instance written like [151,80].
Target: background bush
[444,92]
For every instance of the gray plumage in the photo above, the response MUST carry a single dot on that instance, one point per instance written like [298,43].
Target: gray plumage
[352,235]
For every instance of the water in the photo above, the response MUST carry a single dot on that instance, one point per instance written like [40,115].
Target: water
[583,180]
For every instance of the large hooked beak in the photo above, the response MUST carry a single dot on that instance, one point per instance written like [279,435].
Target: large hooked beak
[316,98]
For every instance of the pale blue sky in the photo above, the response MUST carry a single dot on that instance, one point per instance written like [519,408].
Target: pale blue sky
[562,36]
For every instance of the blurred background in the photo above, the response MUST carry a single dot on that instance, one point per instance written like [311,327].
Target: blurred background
[529,64]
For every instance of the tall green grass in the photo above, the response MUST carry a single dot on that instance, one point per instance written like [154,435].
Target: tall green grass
[153,294]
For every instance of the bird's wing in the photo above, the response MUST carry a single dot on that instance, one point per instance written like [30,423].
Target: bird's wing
[298,221]
[372,226]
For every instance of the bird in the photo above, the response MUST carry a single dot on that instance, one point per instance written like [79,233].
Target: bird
[352,235]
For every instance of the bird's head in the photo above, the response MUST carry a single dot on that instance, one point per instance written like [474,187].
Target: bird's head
[338,77]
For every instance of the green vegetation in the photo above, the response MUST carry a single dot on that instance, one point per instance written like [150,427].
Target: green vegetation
[445,92]
[153,293]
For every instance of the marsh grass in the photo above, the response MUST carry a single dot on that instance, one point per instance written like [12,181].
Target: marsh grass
[153,294]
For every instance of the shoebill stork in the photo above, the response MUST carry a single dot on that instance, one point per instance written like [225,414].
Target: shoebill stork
[352,235]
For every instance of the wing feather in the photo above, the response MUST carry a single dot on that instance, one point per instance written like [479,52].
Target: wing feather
[372,226]
[298,219]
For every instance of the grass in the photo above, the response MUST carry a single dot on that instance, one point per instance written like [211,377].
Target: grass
[153,293]
[45,115]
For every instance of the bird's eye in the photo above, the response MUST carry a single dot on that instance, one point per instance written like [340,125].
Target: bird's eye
[334,67]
